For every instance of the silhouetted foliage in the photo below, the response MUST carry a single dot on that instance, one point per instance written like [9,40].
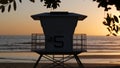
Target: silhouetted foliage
[106,3]
[111,21]
[51,3]
[112,24]
[7,3]
[56,3]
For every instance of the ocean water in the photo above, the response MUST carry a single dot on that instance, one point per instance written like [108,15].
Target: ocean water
[96,42]
[103,40]
[12,39]
[91,40]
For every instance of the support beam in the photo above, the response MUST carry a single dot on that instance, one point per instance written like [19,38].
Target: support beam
[59,62]
[78,61]
[37,61]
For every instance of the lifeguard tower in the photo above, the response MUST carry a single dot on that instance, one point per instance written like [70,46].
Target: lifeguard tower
[58,38]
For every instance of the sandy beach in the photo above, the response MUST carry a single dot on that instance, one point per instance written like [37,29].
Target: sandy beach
[89,60]
[46,65]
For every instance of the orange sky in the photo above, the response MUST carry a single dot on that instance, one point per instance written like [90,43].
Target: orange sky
[20,23]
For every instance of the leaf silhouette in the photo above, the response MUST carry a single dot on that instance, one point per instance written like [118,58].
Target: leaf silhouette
[41,0]
[108,35]
[32,1]
[109,29]
[108,19]
[11,1]
[58,5]
[102,3]
[105,23]
[14,5]
[117,29]
[48,5]
[99,4]
[114,34]
[106,9]
[113,28]
[116,19]
[2,8]
[3,1]
[54,5]
[20,1]
[9,7]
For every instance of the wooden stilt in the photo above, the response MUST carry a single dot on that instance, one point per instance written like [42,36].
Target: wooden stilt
[78,61]
[37,61]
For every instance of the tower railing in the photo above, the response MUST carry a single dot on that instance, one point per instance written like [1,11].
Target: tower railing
[79,42]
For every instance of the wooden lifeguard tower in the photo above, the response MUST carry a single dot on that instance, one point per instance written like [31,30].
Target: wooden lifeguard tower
[58,28]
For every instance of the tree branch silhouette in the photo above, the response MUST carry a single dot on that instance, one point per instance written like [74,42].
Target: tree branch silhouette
[8,3]
[105,4]
[111,21]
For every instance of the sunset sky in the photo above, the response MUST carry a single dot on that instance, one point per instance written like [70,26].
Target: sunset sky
[20,23]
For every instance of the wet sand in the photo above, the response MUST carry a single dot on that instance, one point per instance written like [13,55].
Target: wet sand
[89,60]
[48,65]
